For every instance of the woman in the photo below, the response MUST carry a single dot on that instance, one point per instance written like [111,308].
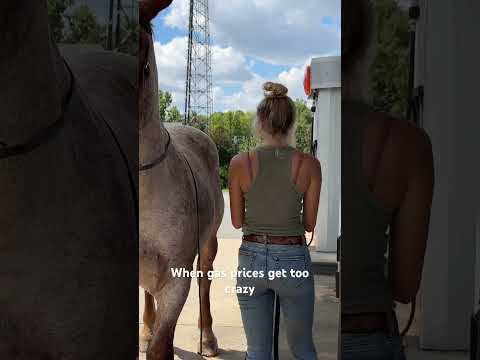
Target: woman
[274,194]
[387,188]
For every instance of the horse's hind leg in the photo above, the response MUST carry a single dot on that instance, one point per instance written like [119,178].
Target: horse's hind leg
[170,300]
[207,256]
[148,321]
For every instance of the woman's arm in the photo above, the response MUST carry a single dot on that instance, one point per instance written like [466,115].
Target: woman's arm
[312,194]
[410,224]
[237,202]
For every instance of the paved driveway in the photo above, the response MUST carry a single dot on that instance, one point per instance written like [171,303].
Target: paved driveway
[226,230]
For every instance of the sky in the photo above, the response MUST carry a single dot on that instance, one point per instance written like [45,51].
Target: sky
[252,41]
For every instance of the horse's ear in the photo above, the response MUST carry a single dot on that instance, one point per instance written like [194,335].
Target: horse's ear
[148,9]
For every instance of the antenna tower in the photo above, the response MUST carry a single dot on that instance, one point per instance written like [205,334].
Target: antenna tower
[198,92]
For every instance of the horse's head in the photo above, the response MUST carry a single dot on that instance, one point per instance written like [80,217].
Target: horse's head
[148,81]
[28,55]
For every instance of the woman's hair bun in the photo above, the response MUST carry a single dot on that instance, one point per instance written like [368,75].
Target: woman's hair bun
[272,89]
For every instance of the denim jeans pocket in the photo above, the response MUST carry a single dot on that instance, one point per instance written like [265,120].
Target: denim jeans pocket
[295,268]
[246,259]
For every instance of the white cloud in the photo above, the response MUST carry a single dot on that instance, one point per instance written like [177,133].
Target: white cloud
[228,66]
[293,80]
[280,32]
[251,92]
[275,31]
[171,63]
[246,99]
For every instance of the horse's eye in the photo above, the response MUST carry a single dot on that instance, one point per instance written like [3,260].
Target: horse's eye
[146,69]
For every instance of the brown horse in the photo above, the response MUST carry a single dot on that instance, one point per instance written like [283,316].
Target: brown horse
[181,167]
[68,220]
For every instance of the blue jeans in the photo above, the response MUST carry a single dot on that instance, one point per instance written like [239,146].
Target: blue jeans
[296,294]
[373,346]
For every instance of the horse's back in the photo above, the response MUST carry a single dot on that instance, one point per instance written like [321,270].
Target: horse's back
[201,152]
[109,81]
[196,146]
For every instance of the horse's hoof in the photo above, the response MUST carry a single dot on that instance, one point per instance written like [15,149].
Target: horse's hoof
[209,347]
[143,345]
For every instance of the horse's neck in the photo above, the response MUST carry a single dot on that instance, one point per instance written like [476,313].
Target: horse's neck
[34,77]
[153,140]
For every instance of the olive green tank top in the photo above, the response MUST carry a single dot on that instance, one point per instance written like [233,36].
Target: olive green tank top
[273,205]
[365,286]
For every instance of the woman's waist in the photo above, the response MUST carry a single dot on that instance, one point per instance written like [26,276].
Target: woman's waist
[269,249]
[369,322]
[268,239]
[290,227]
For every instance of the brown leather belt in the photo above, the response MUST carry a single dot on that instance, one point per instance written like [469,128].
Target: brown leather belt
[367,322]
[277,240]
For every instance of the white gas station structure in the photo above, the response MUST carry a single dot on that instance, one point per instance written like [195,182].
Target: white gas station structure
[323,83]
[447,81]
[447,69]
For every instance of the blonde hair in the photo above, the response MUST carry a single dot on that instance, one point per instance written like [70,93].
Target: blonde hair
[276,112]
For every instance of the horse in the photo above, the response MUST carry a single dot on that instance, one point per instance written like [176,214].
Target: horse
[69,190]
[181,208]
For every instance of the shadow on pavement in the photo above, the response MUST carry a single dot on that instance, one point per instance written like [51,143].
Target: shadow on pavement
[223,354]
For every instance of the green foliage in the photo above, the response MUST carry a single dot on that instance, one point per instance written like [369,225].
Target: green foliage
[173,114]
[164,102]
[84,27]
[168,112]
[304,126]
[390,68]
[56,9]
[78,24]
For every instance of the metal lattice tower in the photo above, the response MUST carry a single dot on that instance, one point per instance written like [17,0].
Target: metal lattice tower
[198,92]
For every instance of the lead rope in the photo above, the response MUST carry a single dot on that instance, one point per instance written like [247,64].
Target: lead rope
[311,238]
[410,318]
[197,234]
[42,135]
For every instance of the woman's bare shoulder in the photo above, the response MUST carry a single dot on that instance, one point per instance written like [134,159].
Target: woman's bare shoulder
[405,133]
[309,162]
[239,162]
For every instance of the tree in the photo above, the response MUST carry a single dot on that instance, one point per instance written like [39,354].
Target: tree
[173,114]
[84,27]
[304,126]
[390,67]
[79,25]
[128,41]
[164,102]
[56,10]
[169,113]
